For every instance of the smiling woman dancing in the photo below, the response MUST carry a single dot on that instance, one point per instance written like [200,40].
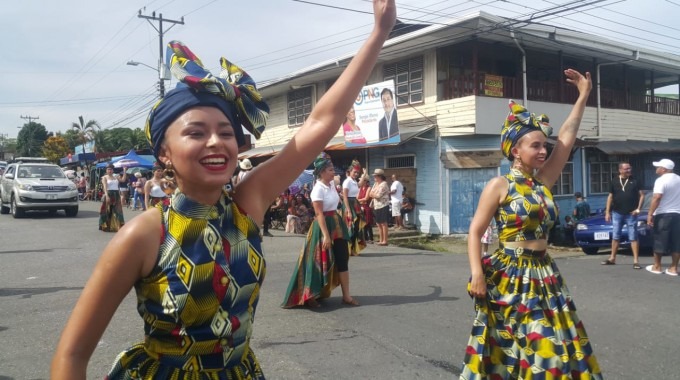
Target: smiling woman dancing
[526,324]
[196,263]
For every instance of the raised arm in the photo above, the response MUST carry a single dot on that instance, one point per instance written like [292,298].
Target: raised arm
[256,190]
[553,166]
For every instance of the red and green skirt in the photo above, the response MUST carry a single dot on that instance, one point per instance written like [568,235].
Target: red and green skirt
[527,326]
[356,226]
[315,275]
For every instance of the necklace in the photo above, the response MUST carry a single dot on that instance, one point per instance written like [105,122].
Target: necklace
[623,184]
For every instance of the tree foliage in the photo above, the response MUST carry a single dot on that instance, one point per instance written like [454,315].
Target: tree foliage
[86,131]
[55,148]
[30,140]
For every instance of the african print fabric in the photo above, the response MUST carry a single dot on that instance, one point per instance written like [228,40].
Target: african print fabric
[527,327]
[357,242]
[315,275]
[528,211]
[111,212]
[198,304]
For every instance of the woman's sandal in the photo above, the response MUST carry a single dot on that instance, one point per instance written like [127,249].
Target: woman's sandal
[351,302]
[608,262]
[312,303]
[636,266]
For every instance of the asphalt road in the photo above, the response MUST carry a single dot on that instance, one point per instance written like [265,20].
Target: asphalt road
[413,323]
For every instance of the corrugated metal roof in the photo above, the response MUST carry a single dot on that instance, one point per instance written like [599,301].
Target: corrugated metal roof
[637,146]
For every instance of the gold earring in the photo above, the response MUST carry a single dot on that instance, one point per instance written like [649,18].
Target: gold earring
[168,172]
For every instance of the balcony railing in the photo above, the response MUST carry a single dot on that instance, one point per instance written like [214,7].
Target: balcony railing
[550,92]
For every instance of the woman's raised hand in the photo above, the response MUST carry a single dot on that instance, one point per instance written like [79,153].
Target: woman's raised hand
[582,82]
[385,14]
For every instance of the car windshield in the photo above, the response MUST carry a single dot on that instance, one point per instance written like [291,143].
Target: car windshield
[39,171]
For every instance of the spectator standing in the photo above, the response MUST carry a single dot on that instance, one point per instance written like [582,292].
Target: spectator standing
[380,193]
[396,197]
[364,200]
[664,216]
[623,206]
[582,208]
[246,166]
[138,200]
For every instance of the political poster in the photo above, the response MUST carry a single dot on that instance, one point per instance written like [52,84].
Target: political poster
[373,118]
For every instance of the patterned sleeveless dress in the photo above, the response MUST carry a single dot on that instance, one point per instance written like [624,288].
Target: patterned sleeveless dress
[198,303]
[526,327]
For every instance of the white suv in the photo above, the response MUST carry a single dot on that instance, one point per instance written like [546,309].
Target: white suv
[37,186]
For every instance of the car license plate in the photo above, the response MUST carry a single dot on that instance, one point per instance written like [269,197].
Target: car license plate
[601,235]
[51,196]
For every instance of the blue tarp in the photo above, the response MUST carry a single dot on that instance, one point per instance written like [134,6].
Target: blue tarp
[131,156]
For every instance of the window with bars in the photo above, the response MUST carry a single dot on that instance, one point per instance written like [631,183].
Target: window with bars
[565,183]
[601,174]
[405,161]
[299,106]
[408,80]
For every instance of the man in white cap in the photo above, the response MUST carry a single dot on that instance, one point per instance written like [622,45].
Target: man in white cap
[245,165]
[664,216]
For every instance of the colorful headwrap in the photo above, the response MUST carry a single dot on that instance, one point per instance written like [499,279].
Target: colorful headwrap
[233,92]
[518,123]
[356,165]
[321,162]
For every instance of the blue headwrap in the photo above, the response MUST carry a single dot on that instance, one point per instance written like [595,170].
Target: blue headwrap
[233,92]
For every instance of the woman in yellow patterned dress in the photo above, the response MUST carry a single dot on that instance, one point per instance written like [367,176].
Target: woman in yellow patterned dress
[196,263]
[526,324]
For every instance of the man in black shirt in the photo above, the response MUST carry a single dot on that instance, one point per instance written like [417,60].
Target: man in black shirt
[623,205]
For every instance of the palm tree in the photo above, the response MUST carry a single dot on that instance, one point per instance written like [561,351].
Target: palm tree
[86,132]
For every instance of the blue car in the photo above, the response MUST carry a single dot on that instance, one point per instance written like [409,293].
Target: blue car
[594,233]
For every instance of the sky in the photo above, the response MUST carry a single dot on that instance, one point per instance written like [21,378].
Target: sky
[63,59]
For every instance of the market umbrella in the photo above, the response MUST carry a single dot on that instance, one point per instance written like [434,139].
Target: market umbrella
[125,163]
[137,169]
[307,177]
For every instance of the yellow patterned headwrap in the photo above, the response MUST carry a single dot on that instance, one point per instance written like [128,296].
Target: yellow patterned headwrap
[518,123]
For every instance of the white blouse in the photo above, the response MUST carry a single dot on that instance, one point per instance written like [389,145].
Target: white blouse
[327,194]
[352,187]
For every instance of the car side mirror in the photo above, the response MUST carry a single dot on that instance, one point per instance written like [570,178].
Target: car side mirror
[9,176]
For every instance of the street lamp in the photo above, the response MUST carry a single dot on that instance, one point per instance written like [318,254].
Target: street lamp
[161,79]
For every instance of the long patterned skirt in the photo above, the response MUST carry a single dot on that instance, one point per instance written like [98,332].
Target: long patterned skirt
[111,212]
[357,241]
[315,275]
[527,326]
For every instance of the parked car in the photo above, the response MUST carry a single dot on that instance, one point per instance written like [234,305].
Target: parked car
[37,186]
[594,233]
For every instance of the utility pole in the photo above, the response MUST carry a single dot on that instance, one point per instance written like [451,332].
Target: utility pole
[161,64]
[29,118]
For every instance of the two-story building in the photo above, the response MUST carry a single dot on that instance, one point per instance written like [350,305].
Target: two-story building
[453,82]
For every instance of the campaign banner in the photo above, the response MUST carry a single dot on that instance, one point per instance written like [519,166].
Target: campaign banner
[493,85]
[373,118]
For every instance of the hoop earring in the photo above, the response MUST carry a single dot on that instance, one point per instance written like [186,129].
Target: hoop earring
[168,172]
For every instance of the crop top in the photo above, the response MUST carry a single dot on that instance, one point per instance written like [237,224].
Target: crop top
[112,184]
[527,212]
